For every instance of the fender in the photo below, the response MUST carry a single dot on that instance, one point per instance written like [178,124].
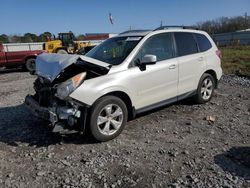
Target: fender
[92,89]
[89,92]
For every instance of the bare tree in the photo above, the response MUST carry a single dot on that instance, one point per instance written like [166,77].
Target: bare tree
[225,24]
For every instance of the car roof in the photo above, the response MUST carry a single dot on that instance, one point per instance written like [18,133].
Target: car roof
[143,33]
[135,33]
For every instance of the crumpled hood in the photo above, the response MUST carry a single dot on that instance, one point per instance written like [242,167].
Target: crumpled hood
[50,65]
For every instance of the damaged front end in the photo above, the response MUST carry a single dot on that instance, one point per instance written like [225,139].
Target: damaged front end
[58,77]
[57,109]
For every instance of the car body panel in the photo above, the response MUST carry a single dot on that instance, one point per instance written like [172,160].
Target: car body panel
[132,82]
[213,62]
[148,88]
[143,87]
[190,69]
[50,65]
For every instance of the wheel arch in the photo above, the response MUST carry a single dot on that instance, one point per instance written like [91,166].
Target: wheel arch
[29,57]
[126,99]
[214,75]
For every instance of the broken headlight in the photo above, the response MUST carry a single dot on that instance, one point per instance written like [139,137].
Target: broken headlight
[67,87]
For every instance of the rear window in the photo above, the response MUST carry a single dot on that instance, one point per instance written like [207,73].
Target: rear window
[186,43]
[203,42]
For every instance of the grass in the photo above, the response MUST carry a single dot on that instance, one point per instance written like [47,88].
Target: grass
[236,60]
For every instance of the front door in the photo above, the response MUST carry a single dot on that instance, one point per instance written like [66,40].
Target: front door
[158,83]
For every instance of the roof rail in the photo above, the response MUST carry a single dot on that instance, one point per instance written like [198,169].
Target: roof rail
[134,31]
[176,26]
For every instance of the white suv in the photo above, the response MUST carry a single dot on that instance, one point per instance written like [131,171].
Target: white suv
[133,72]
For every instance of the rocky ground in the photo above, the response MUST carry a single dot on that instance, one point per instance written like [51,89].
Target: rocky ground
[181,145]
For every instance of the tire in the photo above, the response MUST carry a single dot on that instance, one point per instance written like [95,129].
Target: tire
[110,125]
[61,51]
[205,89]
[30,65]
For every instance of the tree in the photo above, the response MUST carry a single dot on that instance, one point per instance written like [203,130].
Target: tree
[30,37]
[225,24]
[45,36]
[15,39]
[27,37]
[4,38]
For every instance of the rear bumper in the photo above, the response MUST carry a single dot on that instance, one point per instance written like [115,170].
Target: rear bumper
[219,73]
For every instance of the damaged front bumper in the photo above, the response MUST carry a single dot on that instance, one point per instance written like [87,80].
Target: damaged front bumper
[63,115]
[36,109]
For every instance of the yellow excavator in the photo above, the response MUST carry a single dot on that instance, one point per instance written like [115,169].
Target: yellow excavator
[66,44]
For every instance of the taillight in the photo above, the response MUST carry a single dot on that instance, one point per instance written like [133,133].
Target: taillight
[218,53]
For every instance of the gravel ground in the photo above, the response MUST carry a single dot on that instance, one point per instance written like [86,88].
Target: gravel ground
[182,145]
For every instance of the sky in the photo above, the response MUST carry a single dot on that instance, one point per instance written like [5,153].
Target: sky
[91,16]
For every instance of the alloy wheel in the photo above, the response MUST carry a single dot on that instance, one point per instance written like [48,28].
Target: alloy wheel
[110,119]
[207,88]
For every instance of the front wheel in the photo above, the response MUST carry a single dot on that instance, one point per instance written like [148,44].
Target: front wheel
[205,89]
[108,118]
[30,65]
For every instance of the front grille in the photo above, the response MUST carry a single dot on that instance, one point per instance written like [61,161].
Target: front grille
[44,92]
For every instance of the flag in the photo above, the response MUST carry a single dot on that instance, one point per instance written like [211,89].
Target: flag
[111,19]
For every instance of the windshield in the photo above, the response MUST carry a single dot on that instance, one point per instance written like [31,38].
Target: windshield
[114,50]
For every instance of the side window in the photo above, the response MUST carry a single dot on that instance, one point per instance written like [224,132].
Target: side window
[203,43]
[185,43]
[160,45]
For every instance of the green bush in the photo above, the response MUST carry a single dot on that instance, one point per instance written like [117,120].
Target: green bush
[236,60]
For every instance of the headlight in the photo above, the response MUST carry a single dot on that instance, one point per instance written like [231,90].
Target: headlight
[67,87]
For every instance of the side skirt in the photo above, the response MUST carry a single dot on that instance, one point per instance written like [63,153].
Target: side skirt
[165,102]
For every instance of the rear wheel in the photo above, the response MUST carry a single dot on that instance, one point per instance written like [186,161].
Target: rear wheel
[108,118]
[205,89]
[30,65]
[61,51]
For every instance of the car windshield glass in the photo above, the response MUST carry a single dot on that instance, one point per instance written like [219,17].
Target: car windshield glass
[114,50]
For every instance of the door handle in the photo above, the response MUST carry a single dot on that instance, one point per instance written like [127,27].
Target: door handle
[172,66]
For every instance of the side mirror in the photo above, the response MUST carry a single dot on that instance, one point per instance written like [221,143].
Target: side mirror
[146,60]
[149,59]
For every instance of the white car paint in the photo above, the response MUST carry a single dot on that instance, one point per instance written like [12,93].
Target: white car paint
[159,82]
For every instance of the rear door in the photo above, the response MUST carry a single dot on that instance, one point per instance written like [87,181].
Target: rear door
[190,62]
